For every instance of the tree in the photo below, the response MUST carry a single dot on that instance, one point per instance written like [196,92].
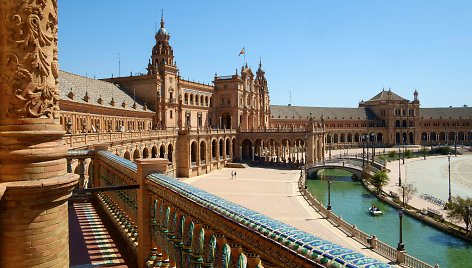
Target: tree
[379,180]
[407,191]
[460,209]
[408,154]
[392,154]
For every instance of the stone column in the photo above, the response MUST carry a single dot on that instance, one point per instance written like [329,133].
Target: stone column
[146,167]
[34,183]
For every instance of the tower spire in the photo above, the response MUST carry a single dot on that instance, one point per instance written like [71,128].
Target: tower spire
[162,18]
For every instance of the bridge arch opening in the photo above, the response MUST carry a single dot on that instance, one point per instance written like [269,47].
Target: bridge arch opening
[334,174]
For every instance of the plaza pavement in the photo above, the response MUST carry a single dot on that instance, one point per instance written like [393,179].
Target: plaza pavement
[430,176]
[274,193]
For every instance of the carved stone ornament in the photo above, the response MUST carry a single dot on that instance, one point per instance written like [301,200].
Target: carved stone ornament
[31,58]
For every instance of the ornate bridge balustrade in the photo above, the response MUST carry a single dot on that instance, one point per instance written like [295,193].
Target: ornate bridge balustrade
[170,223]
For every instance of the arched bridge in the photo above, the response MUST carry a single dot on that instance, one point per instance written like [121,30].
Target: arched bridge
[354,165]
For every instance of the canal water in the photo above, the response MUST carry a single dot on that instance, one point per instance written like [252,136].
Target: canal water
[351,201]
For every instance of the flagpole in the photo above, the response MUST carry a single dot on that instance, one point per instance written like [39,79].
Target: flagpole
[244,56]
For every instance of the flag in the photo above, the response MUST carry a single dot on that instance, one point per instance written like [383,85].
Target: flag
[241,52]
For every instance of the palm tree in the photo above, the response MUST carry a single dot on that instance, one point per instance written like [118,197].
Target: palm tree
[379,180]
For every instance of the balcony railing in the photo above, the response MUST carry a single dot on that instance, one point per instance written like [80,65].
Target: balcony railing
[78,140]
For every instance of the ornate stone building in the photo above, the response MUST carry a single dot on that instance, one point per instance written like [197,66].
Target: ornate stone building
[198,127]
[203,126]
[388,118]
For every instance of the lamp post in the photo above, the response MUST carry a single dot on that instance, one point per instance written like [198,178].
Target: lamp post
[424,150]
[363,150]
[403,145]
[449,176]
[455,143]
[329,195]
[367,138]
[399,169]
[306,175]
[372,139]
[401,246]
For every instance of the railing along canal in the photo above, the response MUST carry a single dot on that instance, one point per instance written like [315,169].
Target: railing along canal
[170,223]
[372,242]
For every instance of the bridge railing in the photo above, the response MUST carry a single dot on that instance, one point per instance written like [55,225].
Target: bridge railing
[166,221]
[372,242]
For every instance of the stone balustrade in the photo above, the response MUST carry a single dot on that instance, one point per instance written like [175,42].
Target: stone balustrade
[168,222]
[81,140]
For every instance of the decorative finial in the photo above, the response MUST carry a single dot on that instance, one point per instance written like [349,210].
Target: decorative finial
[162,18]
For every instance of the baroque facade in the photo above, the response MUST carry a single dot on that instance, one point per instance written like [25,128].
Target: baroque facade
[206,126]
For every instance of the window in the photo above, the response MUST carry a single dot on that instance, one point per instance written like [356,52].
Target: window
[170,114]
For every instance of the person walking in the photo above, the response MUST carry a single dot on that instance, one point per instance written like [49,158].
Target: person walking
[235,174]
[232,175]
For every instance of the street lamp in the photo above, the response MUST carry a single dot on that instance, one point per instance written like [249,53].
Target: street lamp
[363,149]
[306,175]
[424,150]
[329,194]
[399,167]
[455,143]
[403,145]
[372,139]
[449,176]
[401,246]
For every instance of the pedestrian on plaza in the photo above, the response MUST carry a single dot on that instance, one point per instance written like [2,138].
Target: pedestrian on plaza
[232,175]
[235,174]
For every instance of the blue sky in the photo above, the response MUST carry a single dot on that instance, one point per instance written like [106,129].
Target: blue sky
[326,53]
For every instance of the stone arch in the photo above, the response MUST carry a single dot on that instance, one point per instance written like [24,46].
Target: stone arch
[379,137]
[404,123]
[170,151]
[424,136]
[452,136]
[193,152]
[154,151]
[221,146]
[342,138]
[246,149]
[411,138]
[145,152]
[349,137]
[433,136]
[227,146]
[136,154]
[203,151]
[192,97]
[214,149]
[398,138]
[233,144]
[127,155]
[186,98]
[461,136]
[356,137]
[162,151]
[442,136]
[335,138]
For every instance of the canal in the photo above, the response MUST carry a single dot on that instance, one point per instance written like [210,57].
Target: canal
[351,201]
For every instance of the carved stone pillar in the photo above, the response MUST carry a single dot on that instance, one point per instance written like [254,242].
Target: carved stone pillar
[34,183]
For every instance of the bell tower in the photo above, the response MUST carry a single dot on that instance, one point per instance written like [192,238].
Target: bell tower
[162,65]
[263,91]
